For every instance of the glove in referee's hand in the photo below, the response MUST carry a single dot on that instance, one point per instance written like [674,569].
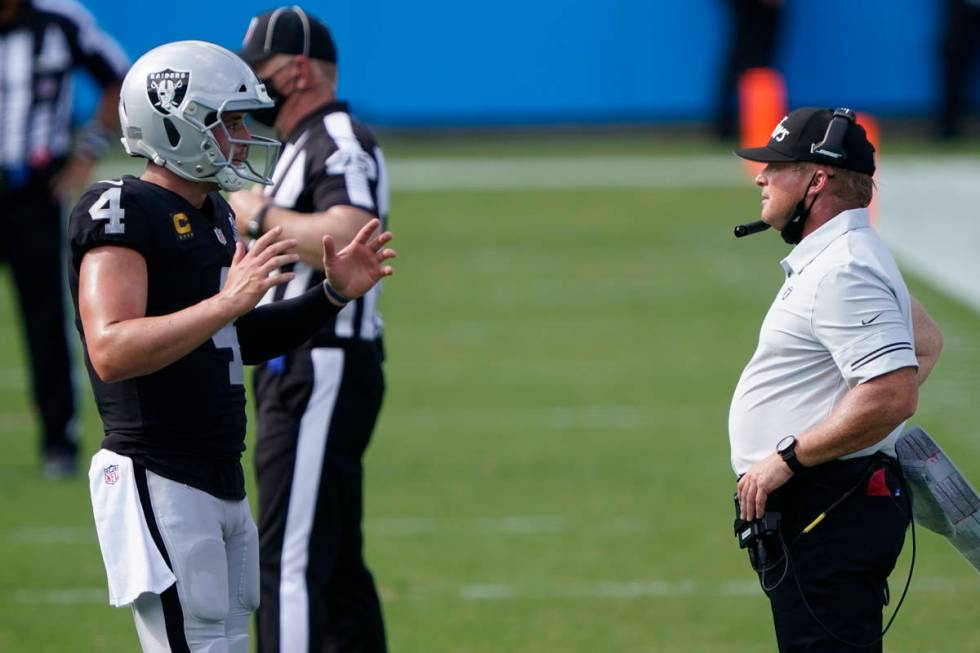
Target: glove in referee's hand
[356,268]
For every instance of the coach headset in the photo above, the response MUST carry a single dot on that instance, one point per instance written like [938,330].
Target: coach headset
[831,146]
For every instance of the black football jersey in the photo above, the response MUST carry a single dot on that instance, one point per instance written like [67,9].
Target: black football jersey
[186,421]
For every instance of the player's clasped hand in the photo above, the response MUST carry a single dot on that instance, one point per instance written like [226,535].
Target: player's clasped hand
[356,268]
[250,275]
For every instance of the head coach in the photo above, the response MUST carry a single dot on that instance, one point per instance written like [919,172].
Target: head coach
[822,506]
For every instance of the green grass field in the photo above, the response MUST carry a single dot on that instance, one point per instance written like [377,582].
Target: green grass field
[551,471]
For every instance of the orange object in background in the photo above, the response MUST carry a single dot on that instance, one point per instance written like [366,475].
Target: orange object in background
[870,125]
[761,105]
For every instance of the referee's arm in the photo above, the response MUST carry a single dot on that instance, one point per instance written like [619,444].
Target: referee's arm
[341,222]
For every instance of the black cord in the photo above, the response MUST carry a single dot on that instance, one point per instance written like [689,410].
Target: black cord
[782,577]
[799,586]
[901,600]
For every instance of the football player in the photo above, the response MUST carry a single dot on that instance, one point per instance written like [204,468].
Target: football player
[164,295]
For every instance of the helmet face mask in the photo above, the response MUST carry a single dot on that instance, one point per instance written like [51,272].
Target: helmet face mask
[174,103]
[259,153]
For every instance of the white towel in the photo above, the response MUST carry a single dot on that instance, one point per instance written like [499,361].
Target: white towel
[133,564]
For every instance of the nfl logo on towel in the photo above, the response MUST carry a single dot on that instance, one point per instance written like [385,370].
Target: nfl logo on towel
[111,474]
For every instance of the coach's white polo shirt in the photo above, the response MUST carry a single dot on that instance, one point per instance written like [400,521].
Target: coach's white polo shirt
[842,317]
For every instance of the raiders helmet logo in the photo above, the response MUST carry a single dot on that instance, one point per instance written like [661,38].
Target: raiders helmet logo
[167,88]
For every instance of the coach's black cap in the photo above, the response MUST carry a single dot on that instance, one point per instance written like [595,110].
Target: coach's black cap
[801,136]
[287,30]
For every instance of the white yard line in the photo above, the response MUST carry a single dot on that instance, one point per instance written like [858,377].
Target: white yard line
[73,596]
[50,534]
[383,527]
[496,591]
[656,589]
[508,525]
[552,418]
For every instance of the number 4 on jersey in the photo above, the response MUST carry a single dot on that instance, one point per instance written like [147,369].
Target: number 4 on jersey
[227,338]
[107,207]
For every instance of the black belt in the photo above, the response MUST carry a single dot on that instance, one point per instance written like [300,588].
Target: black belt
[848,467]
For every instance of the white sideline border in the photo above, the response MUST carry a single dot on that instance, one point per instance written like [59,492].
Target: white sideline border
[928,216]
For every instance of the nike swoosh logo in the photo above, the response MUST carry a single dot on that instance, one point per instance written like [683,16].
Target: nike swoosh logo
[867,322]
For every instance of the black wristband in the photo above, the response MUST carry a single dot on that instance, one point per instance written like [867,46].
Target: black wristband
[333,294]
[256,226]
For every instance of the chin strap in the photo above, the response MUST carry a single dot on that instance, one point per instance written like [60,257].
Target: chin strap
[792,233]
[228,179]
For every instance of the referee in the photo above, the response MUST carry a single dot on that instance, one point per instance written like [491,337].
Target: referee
[317,406]
[818,408]
[41,42]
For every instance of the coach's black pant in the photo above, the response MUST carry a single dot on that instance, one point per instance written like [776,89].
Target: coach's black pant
[315,419]
[836,580]
[31,224]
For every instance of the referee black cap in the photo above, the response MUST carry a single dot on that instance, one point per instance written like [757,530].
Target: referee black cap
[287,30]
[828,136]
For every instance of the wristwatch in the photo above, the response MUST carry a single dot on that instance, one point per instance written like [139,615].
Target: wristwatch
[786,448]
[256,226]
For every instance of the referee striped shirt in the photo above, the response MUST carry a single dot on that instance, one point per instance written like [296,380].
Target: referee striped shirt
[331,159]
[38,51]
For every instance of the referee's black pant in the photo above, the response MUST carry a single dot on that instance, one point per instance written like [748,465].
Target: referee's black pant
[31,223]
[830,598]
[315,418]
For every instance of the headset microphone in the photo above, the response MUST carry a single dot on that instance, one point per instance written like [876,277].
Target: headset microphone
[742,230]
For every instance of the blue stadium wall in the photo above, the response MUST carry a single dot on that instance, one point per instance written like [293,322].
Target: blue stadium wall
[436,62]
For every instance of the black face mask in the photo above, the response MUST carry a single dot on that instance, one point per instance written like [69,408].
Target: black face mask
[792,233]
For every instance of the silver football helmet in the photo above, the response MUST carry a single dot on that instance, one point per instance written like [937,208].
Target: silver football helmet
[175,98]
